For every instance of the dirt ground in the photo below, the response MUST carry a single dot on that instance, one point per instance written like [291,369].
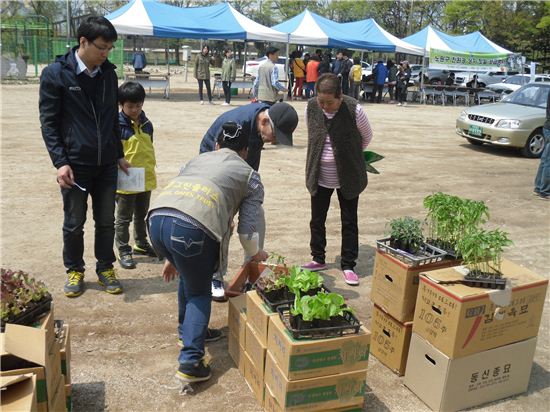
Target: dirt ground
[124,347]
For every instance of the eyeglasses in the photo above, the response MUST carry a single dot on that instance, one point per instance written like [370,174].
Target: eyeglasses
[103,49]
[229,136]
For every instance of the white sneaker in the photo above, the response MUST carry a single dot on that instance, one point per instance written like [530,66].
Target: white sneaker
[202,102]
[218,291]
[399,104]
[405,104]
[225,104]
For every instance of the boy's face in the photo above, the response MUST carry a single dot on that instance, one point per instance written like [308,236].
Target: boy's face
[132,110]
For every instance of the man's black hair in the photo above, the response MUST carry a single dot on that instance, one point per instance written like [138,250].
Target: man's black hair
[131,92]
[95,27]
[271,50]
[233,136]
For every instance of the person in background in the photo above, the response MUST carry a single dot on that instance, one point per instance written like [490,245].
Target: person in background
[473,84]
[267,86]
[290,74]
[202,73]
[229,74]
[542,180]
[347,63]
[338,133]
[299,69]
[324,65]
[189,229]
[137,140]
[312,74]
[355,78]
[319,54]
[337,64]
[139,62]
[392,79]
[380,73]
[403,76]
[266,124]
[450,81]
[79,121]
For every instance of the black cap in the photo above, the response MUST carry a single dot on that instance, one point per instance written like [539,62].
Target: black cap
[285,120]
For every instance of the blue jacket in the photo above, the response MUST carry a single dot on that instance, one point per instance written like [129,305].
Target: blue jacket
[139,61]
[380,73]
[78,128]
[246,117]
[336,66]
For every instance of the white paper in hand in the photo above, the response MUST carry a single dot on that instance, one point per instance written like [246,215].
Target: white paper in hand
[134,181]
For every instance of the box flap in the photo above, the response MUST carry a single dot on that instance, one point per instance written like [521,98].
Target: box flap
[6,381]
[19,395]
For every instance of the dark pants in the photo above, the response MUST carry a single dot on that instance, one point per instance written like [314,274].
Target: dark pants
[402,93]
[310,89]
[350,233]
[377,92]
[195,256]
[542,179]
[345,84]
[207,83]
[391,91]
[100,183]
[226,91]
[131,206]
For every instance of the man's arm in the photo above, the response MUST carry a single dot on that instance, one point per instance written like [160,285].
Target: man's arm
[249,213]
[275,80]
[255,87]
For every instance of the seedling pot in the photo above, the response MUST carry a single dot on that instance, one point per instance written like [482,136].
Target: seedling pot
[31,313]
[283,296]
[485,280]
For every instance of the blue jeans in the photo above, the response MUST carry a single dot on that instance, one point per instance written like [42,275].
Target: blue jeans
[195,256]
[542,180]
[100,182]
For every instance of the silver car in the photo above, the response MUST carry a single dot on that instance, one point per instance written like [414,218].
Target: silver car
[516,121]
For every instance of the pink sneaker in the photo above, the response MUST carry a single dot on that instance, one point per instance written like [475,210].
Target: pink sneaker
[351,278]
[314,266]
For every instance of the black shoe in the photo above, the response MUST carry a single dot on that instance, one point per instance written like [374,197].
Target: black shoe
[212,335]
[194,372]
[145,249]
[127,261]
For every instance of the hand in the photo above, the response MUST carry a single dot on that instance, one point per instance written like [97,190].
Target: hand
[124,165]
[65,177]
[169,271]
[260,256]
[253,100]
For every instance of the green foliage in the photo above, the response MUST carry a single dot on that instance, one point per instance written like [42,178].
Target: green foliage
[482,250]
[322,306]
[18,291]
[407,230]
[300,280]
[450,217]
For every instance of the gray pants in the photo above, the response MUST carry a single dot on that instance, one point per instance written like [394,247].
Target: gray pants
[220,273]
[131,206]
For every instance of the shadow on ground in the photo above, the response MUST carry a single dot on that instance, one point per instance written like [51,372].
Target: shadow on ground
[89,396]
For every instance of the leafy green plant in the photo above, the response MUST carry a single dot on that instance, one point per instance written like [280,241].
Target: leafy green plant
[406,234]
[301,280]
[450,218]
[276,259]
[482,250]
[322,306]
[18,292]
[268,280]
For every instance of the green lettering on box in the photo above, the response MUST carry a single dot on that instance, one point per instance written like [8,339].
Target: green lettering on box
[345,389]
[64,366]
[69,403]
[349,354]
[41,391]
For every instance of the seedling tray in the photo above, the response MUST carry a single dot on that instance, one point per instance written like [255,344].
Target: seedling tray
[487,283]
[428,254]
[274,304]
[351,326]
[29,316]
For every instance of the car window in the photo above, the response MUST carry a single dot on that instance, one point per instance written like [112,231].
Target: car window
[519,79]
[529,95]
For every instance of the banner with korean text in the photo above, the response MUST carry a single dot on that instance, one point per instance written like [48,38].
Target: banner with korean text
[463,61]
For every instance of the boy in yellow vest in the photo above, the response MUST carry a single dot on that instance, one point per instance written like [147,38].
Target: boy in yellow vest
[137,140]
[355,78]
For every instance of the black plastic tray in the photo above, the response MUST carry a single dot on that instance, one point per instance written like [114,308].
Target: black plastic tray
[320,333]
[427,254]
[273,305]
[28,317]
[485,283]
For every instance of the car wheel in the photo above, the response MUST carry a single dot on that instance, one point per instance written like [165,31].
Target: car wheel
[474,142]
[534,145]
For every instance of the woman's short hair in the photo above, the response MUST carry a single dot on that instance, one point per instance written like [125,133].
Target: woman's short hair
[233,136]
[329,83]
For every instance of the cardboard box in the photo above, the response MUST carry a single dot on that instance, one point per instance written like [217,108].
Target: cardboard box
[254,378]
[315,394]
[31,342]
[461,320]
[390,340]
[258,314]
[14,366]
[249,272]
[309,358]
[58,403]
[65,352]
[18,393]
[446,384]
[255,349]
[236,318]
[395,284]
[69,397]
[271,405]
[236,351]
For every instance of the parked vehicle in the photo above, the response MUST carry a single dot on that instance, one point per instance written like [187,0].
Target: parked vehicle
[516,121]
[366,68]
[512,83]
[251,67]
[483,78]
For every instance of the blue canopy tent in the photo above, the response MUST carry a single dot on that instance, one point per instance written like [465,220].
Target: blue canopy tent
[477,42]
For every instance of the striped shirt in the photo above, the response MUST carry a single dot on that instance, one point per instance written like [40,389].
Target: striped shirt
[328,174]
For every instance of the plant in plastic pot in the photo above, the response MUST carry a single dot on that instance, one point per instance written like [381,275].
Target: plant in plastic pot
[302,281]
[318,311]
[406,234]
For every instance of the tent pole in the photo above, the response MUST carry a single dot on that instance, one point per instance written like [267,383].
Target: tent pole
[422,74]
[244,65]
[286,65]
[167,58]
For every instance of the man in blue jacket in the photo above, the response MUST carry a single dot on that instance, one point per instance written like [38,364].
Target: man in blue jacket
[266,124]
[380,73]
[79,120]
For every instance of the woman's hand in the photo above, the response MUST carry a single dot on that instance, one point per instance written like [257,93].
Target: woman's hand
[260,256]
[169,271]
